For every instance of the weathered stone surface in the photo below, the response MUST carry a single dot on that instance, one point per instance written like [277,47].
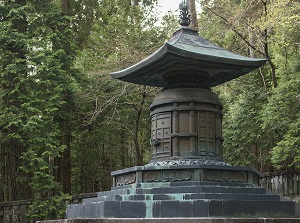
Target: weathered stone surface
[184,173]
[186,199]
[181,220]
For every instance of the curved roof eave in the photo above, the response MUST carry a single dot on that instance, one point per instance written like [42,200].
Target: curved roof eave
[215,55]
[148,61]
[187,51]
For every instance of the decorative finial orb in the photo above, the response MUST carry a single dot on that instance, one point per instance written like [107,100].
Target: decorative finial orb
[184,17]
[183,6]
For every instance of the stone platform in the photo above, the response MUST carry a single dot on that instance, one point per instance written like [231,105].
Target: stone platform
[181,220]
[184,191]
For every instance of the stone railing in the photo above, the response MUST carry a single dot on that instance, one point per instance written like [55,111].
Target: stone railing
[283,183]
[15,211]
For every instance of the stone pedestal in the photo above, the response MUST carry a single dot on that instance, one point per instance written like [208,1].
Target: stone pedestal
[191,191]
[181,171]
[182,220]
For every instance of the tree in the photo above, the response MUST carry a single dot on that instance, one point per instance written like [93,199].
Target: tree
[50,85]
[247,20]
[113,116]
[281,120]
[36,75]
[13,74]
[253,28]
[245,142]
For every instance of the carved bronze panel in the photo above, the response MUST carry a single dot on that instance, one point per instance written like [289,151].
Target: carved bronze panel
[225,176]
[161,133]
[167,176]
[125,179]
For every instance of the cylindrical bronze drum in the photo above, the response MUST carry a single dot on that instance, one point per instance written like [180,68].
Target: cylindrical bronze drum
[186,124]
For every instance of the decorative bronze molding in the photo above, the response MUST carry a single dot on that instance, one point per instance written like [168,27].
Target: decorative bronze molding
[125,179]
[168,176]
[188,162]
[224,176]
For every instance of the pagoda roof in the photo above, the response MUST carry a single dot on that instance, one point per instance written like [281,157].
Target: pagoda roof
[187,57]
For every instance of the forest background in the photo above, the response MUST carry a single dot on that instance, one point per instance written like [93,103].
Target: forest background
[65,124]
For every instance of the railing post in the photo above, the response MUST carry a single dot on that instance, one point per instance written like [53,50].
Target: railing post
[6,217]
[283,183]
[15,213]
[286,184]
[298,183]
[294,188]
[272,182]
[1,214]
[23,209]
[278,185]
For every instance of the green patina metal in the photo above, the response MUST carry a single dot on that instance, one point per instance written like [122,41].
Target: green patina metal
[187,116]
[188,56]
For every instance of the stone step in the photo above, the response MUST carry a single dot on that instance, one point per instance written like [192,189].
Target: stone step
[184,183]
[183,208]
[196,189]
[194,196]
[178,220]
[126,188]
[140,192]
[247,190]
[184,189]
[184,196]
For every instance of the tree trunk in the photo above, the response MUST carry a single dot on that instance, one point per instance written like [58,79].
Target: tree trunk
[251,51]
[2,174]
[65,5]
[63,163]
[266,48]
[134,2]
[123,149]
[139,110]
[193,13]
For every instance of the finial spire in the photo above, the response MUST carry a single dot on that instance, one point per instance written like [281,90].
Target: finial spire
[184,17]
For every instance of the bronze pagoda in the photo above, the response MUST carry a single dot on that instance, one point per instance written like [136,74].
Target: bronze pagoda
[186,176]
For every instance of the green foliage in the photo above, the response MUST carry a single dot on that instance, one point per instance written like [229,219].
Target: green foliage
[53,208]
[13,82]
[285,154]
[113,118]
[282,107]
[260,122]
[284,19]
[38,81]
[281,119]
[245,142]
[48,107]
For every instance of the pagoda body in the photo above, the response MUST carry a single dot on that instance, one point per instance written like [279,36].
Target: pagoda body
[186,176]
[187,116]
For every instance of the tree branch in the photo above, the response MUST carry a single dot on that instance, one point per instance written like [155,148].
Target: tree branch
[233,28]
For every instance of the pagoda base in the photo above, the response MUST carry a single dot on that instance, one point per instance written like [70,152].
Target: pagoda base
[192,191]
[179,220]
